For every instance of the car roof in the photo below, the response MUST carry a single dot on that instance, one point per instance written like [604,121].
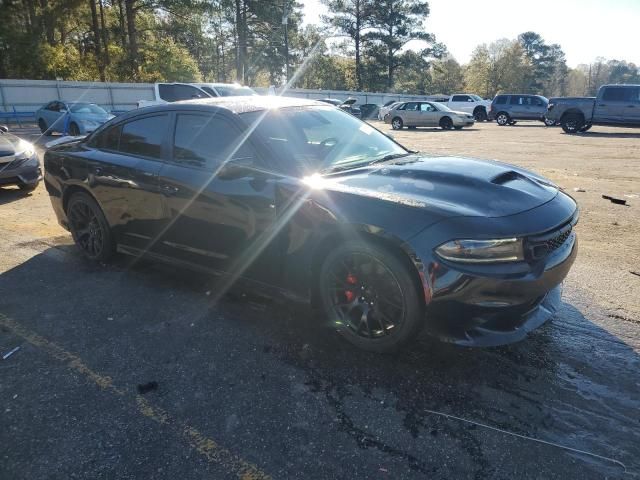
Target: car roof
[237,105]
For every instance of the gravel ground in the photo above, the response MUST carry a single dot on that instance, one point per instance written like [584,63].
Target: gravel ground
[253,389]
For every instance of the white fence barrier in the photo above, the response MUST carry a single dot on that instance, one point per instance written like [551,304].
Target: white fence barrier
[26,96]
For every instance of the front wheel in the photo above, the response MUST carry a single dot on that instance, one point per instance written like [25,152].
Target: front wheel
[89,227]
[42,125]
[74,130]
[480,114]
[446,123]
[548,122]
[396,123]
[370,296]
[502,119]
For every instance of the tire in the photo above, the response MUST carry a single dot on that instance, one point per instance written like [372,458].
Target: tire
[572,123]
[458,128]
[446,123]
[43,126]
[480,114]
[503,119]
[586,128]
[396,123]
[28,187]
[548,122]
[89,228]
[371,296]
[74,130]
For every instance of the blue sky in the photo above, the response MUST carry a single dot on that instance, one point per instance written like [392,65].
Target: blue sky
[585,29]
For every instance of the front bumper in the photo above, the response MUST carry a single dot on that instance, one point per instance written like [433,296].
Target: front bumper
[494,304]
[20,175]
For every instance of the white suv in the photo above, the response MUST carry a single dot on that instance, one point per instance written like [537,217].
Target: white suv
[469,103]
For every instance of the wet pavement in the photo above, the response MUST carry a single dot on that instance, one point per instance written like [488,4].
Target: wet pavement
[252,388]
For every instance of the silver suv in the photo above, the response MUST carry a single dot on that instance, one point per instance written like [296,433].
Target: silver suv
[506,109]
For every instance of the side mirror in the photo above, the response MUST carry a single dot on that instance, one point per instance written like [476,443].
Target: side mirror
[4,128]
[237,168]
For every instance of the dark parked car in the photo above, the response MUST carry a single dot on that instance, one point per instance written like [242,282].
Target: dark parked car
[300,199]
[19,164]
[347,105]
[615,105]
[507,109]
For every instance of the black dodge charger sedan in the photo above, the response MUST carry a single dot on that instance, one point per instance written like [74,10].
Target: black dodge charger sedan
[298,198]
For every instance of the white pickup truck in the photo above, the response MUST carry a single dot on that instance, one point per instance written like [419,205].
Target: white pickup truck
[173,92]
[469,103]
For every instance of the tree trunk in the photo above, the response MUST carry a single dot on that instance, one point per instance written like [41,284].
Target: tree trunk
[133,36]
[241,40]
[357,45]
[105,34]
[123,30]
[97,39]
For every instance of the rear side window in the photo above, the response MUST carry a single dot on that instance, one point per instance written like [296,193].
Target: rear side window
[460,98]
[145,136]
[109,139]
[411,106]
[175,93]
[206,141]
[617,94]
[501,99]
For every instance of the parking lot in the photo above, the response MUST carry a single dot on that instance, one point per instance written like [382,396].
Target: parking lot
[132,371]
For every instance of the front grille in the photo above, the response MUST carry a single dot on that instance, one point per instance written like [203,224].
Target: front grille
[542,245]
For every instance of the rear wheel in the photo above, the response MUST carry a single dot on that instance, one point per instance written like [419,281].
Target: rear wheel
[446,123]
[370,296]
[74,130]
[502,119]
[43,126]
[396,123]
[89,227]
[572,123]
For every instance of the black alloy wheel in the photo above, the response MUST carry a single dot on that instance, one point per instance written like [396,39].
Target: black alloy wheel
[502,119]
[74,130]
[572,123]
[480,114]
[42,126]
[89,227]
[368,294]
[446,123]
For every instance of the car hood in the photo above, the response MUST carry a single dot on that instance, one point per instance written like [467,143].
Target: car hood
[11,145]
[448,186]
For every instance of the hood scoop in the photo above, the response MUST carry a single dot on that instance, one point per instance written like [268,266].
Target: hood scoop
[507,177]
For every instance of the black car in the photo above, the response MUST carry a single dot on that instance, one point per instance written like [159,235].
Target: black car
[348,105]
[19,164]
[299,199]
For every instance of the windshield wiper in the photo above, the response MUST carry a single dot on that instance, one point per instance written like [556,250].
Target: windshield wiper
[391,156]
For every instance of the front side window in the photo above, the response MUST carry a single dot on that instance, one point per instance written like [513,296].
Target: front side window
[144,136]
[426,107]
[207,141]
[175,93]
[412,107]
[108,139]
[313,139]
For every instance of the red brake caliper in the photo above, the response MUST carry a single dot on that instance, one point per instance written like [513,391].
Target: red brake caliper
[349,294]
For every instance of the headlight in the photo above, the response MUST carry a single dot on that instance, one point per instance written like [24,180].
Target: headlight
[482,251]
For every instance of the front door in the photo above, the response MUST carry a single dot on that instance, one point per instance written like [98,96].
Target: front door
[429,116]
[220,206]
[611,106]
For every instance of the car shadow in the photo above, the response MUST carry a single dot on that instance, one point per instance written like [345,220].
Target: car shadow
[434,130]
[11,194]
[571,383]
[597,134]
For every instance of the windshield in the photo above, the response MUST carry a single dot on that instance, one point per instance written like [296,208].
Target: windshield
[321,138]
[441,107]
[233,90]
[87,108]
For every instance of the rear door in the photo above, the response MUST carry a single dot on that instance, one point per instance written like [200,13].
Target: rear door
[123,169]
[611,105]
[411,113]
[221,206]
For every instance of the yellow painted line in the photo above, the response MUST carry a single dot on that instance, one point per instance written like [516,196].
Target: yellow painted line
[213,452]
